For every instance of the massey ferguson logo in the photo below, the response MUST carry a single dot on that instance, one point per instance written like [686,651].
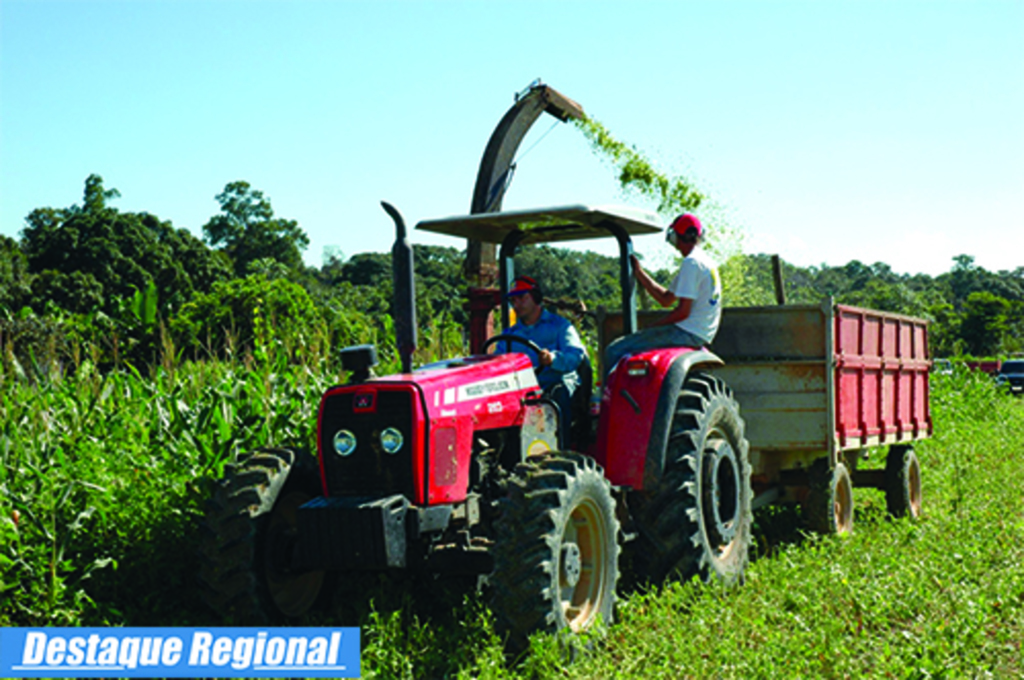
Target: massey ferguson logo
[494,386]
[364,401]
[486,388]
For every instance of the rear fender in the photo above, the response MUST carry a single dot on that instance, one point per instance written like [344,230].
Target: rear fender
[636,414]
[667,398]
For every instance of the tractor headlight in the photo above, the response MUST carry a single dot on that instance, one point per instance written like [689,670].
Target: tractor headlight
[391,440]
[344,442]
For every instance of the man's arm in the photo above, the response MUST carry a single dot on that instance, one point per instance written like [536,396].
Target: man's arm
[681,311]
[567,349]
[661,295]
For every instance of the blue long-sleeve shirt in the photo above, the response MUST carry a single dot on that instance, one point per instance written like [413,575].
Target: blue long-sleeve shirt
[556,334]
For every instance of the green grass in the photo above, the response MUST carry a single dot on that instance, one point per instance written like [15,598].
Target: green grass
[102,479]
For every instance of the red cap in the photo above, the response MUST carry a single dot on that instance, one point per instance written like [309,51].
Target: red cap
[523,284]
[687,221]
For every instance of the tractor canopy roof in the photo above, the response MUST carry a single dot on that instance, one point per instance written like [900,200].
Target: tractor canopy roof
[546,225]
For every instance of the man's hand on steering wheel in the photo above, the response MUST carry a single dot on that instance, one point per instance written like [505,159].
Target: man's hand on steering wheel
[544,356]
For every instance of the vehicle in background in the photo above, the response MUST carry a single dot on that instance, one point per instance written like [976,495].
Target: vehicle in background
[990,366]
[1011,376]
[942,367]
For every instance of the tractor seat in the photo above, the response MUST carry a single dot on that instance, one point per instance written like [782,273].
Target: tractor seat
[579,425]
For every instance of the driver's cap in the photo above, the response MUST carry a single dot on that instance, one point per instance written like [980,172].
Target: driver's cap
[523,284]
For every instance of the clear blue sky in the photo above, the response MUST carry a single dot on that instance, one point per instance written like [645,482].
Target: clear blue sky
[823,131]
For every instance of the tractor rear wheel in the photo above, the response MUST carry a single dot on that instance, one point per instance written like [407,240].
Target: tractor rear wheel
[250,530]
[696,519]
[556,551]
[903,482]
[829,505]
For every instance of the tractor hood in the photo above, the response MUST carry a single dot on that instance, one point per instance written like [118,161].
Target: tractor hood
[487,388]
[432,414]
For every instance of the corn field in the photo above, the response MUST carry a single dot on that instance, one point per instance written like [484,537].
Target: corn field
[103,478]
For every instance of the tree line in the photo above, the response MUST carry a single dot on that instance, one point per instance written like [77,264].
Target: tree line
[90,282]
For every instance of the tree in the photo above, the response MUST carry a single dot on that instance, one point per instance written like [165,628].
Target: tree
[191,257]
[93,246]
[984,327]
[15,281]
[255,315]
[887,297]
[95,256]
[96,196]
[368,269]
[77,292]
[247,230]
[964,279]
[1014,343]
[944,331]
[365,281]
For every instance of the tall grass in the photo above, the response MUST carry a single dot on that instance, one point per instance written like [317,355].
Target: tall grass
[103,476]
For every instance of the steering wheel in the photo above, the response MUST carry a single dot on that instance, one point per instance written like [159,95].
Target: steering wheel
[514,338]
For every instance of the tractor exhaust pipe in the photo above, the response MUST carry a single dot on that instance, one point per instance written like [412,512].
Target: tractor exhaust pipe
[405,289]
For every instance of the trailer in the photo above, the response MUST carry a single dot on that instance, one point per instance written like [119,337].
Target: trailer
[818,386]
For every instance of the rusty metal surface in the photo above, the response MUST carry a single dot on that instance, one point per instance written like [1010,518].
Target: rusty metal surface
[784,404]
[771,333]
[777,367]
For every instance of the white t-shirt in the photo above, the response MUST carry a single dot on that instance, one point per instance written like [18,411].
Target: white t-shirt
[698,280]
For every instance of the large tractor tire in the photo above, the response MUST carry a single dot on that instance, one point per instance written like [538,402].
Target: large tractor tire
[903,482]
[828,508]
[696,519]
[556,554]
[250,529]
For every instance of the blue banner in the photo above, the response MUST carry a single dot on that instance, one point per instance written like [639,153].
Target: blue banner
[179,652]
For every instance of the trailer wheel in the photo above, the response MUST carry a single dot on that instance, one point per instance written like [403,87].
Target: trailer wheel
[249,530]
[903,482]
[696,519]
[829,505]
[556,551]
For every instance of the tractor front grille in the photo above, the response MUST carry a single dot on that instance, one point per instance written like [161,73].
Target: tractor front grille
[369,470]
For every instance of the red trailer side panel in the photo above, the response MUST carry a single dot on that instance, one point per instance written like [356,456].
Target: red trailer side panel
[881,377]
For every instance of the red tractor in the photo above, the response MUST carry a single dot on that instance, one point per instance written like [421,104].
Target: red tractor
[465,467]
[456,467]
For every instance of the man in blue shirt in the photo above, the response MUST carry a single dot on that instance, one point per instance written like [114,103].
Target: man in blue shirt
[561,347]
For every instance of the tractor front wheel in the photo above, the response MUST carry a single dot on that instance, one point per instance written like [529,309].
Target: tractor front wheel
[696,519]
[250,531]
[556,553]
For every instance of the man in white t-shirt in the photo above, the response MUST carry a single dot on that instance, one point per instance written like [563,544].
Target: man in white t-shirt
[695,295]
